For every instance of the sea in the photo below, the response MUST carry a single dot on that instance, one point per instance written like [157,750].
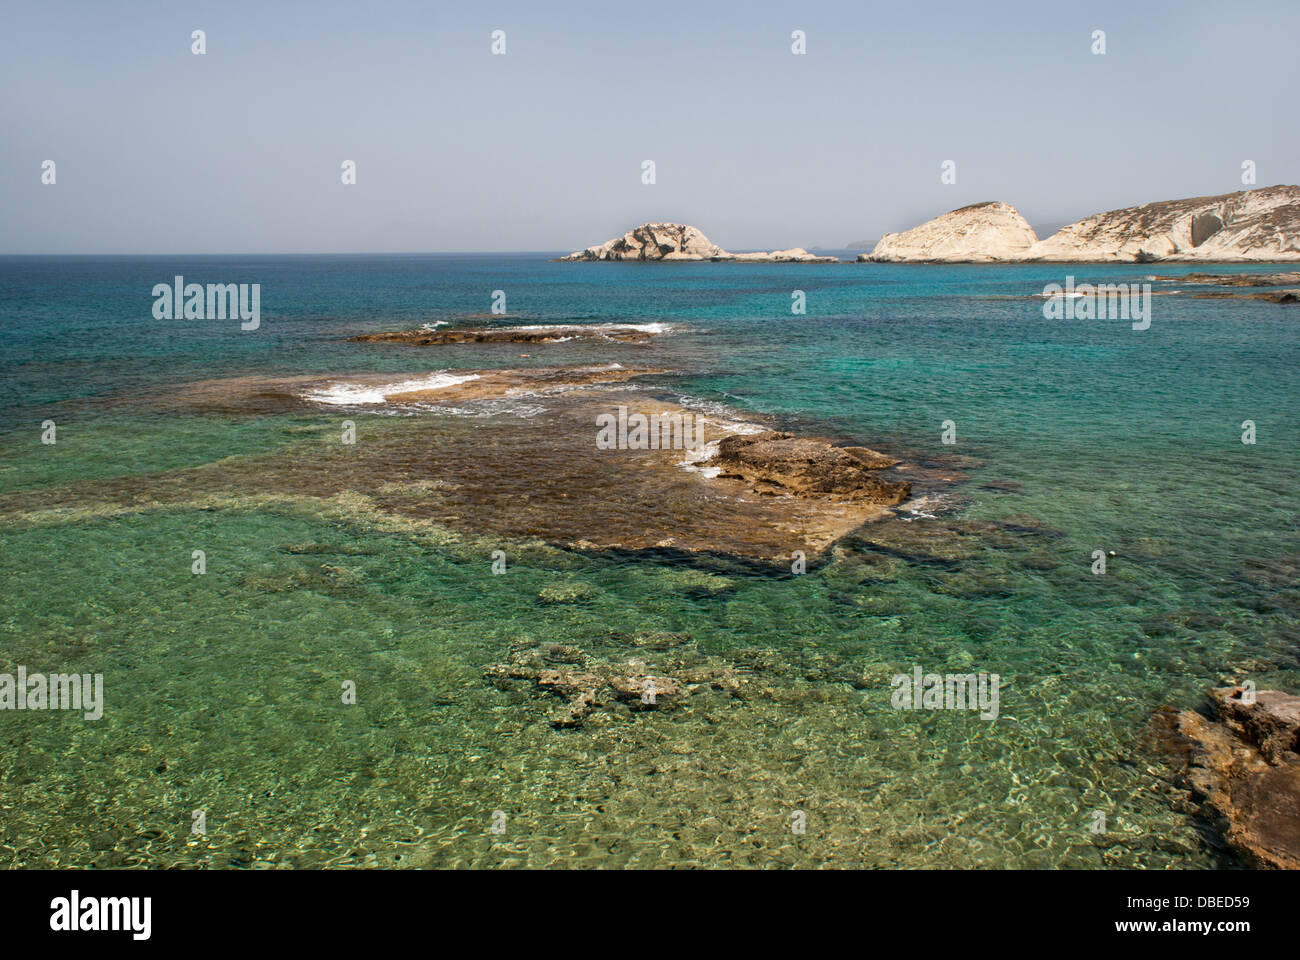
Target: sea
[295,671]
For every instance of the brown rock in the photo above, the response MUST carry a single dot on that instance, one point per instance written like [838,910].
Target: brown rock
[1272,296]
[1272,722]
[1236,279]
[806,466]
[1247,771]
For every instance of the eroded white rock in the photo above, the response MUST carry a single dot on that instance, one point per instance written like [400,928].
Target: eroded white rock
[981,233]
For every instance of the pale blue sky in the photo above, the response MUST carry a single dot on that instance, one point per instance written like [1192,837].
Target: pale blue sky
[161,151]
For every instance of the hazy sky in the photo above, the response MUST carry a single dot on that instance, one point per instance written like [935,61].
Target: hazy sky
[240,150]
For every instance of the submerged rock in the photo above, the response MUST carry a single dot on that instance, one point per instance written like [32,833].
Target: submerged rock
[1246,770]
[783,463]
[589,683]
[572,592]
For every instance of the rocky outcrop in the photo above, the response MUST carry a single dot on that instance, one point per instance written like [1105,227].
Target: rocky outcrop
[1251,225]
[679,241]
[654,241]
[1273,296]
[1246,770]
[1236,279]
[981,233]
[808,466]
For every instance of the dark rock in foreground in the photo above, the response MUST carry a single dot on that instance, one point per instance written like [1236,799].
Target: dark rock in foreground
[1246,769]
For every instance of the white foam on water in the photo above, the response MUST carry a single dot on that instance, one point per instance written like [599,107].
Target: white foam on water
[697,459]
[723,418]
[356,394]
[926,507]
[592,328]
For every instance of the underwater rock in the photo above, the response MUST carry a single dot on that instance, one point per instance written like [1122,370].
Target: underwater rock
[698,584]
[1246,770]
[574,592]
[589,683]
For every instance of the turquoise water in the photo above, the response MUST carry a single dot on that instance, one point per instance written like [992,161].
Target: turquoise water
[223,691]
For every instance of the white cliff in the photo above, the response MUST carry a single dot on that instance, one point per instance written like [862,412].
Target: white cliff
[981,233]
[1250,225]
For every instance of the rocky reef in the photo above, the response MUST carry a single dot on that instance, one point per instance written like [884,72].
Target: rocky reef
[980,233]
[1248,226]
[1236,279]
[1269,296]
[1244,768]
[679,241]
[513,454]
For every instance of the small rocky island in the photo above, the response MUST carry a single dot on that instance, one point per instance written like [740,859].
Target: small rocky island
[679,241]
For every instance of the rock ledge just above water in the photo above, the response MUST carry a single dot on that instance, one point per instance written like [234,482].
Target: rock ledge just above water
[1246,769]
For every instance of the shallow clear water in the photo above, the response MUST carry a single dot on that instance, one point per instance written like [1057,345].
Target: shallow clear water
[223,690]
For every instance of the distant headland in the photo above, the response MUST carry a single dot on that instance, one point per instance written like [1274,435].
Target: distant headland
[1255,226]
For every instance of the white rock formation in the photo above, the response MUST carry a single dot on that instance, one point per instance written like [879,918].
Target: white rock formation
[654,241]
[679,241]
[793,255]
[1251,225]
[981,233]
